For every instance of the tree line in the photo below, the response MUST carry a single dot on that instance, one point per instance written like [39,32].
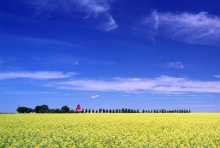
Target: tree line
[127,110]
[66,109]
[44,109]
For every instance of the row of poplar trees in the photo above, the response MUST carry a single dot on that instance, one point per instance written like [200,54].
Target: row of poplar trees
[126,110]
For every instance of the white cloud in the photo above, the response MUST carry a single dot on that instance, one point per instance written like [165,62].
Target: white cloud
[163,84]
[36,41]
[76,63]
[175,65]
[35,75]
[98,10]
[95,9]
[201,28]
[92,7]
[109,25]
[217,76]
[96,96]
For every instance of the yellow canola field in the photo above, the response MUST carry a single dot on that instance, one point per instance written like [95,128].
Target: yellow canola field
[110,130]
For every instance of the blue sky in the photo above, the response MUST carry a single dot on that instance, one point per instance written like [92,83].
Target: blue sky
[139,54]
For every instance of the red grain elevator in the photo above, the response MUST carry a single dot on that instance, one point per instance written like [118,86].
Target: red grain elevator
[78,108]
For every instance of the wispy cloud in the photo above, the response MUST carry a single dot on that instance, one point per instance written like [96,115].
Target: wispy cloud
[36,41]
[217,76]
[95,96]
[201,28]
[76,63]
[35,75]
[163,84]
[95,9]
[175,65]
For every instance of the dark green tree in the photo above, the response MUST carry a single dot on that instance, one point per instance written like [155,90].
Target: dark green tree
[129,110]
[24,110]
[117,111]
[42,109]
[45,108]
[72,111]
[57,110]
[52,111]
[65,109]
[38,109]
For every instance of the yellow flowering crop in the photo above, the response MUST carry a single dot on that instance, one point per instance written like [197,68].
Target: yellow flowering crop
[110,130]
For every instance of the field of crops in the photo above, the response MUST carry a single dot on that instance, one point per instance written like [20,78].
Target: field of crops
[110,130]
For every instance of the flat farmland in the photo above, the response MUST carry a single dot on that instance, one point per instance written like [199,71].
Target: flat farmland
[110,130]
